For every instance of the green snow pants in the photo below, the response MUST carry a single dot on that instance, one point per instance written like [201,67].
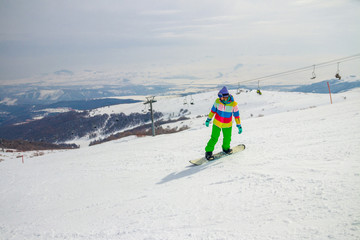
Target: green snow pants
[215,136]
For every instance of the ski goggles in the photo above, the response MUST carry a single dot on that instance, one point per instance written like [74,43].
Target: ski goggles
[223,95]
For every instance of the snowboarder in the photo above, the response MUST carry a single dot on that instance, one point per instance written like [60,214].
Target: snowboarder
[224,108]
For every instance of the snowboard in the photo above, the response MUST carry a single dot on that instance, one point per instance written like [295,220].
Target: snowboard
[219,155]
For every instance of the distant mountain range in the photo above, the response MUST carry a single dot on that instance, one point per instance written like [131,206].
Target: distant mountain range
[14,114]
[30,94]
[34,95]
[336,86]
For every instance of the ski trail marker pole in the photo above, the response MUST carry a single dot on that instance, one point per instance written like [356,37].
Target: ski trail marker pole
[329,92]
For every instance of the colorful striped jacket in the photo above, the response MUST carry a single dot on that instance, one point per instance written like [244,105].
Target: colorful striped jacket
[223,113]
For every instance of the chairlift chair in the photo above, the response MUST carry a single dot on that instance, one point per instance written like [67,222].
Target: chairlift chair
[192,101]
[337,75]
[313,73]
[258,91]
[238,90]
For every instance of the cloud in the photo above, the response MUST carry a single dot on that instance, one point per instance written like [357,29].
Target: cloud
[160,12]
[220,75]
[64,72]
[187,77]
[39,36]
[238,66]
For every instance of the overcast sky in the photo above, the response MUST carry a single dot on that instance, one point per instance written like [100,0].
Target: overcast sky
[164,40]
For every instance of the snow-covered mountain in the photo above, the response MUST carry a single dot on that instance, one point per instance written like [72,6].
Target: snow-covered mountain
[297,179]
[33,94]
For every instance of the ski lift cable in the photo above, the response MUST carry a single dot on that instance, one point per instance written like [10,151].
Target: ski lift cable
[302,69]
[319,65]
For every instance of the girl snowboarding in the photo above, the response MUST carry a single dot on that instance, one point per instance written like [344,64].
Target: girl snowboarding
[224,108]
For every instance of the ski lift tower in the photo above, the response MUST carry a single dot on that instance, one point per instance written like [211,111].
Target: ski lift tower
[151,100]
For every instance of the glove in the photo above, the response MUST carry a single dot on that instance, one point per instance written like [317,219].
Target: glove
[207,122]
[240,128]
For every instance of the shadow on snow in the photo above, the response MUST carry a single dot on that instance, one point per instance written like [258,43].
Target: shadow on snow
[190,170]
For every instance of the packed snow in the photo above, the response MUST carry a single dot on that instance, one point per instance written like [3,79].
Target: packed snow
[299,177]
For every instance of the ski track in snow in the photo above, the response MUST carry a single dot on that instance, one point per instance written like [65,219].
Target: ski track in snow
[299,178]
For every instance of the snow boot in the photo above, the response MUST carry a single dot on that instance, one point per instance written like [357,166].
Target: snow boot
[209,156]
[229,151]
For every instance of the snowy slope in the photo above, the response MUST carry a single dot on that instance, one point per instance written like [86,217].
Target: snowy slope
[250,104]
[299,178]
